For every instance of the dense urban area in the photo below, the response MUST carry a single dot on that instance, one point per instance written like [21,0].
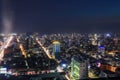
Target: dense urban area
[73,56]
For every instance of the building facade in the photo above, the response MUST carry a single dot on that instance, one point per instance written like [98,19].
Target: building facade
[79,68]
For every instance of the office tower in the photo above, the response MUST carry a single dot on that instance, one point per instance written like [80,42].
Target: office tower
[79,68]
[56,48]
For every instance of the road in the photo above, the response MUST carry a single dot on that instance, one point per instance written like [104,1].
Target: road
[23,51]
[22,48]
[4,46]
[45,49]
[48,54]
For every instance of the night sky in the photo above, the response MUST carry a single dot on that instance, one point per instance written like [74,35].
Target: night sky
[54,16]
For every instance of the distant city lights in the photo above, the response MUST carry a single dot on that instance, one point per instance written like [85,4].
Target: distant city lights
[64,65]
[3,70]
[108,35]
[89,66]
[102,47]
[99,64]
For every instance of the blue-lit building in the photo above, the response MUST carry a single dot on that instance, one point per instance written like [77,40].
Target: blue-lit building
[56,48]
[101,49]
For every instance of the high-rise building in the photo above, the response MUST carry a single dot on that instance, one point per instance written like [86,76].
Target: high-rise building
[95,38]
[79,68]
[56,48]
[27,43]
[101,49]
[30,41]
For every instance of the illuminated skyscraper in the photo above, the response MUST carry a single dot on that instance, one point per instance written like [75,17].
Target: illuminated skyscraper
[95,38]
[79,68]
[56,48]
[101,49]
